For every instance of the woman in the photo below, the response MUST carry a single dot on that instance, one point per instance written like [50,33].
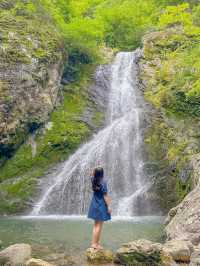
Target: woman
[100,209]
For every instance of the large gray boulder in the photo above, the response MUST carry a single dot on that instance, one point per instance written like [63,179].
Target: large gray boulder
[186,222]
[183,221]
[15,255]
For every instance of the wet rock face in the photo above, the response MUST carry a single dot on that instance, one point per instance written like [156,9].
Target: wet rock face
[100,89]
[31,63]
[98,93]
[27,102]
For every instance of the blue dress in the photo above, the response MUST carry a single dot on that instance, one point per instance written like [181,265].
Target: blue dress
[98,210]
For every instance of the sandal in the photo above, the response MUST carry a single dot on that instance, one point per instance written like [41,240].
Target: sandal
[97,248]
[100,247]
[94,247]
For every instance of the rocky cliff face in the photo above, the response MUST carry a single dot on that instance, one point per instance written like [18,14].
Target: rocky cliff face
[172,139]
[31,62]
[41,121]
[183,221]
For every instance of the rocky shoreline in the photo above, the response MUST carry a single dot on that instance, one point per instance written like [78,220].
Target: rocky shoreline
[137,253]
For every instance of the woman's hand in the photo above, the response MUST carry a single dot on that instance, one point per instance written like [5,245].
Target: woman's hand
[109,210]
[108,203]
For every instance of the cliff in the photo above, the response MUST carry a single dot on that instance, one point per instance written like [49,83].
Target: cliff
[168,72]
[31,62]
[41,121]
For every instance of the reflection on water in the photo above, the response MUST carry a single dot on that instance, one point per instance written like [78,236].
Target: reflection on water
[53,234]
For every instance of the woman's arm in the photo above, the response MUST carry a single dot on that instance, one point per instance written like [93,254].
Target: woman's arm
[108,202]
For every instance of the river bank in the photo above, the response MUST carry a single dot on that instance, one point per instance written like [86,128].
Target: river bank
[53,236]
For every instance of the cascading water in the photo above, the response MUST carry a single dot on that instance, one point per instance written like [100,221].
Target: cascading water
[117,148]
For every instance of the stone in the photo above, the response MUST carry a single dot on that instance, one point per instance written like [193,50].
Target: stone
[60,259]
[186,222]
[179,250]
[167,260]
[15,255]
[139,253]
[99,256]
[37,262]
[171,214]
[195,257]
[1,243]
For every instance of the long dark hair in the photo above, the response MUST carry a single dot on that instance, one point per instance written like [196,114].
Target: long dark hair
[97,178]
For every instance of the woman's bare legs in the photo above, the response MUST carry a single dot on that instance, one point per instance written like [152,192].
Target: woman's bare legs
[97,228]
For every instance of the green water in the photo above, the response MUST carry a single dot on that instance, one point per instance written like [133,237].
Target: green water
[72,235]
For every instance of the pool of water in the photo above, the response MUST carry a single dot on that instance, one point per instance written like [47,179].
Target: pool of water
[72,234]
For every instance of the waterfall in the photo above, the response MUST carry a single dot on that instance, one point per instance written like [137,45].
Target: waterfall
[118,148]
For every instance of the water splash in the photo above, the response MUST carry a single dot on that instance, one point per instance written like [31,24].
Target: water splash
[117,148]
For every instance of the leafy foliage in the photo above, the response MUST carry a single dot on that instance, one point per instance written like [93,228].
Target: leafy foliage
[175,85]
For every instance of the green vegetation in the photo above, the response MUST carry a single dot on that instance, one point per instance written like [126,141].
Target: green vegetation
[63,134]
[172,77]
[23,37]
[175,85]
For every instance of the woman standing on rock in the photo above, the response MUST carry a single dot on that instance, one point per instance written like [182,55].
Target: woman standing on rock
[99,210]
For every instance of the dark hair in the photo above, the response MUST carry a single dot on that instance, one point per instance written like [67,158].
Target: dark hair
[97,177]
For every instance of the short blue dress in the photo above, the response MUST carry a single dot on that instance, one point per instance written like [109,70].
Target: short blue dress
[98,210]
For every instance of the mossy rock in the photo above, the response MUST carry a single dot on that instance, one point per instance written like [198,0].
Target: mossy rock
[99,256]
[139,253]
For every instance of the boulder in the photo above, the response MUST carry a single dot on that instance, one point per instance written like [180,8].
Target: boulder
[37,262]
[186,222]
[99,256]
[15,255]
[179,250]
[139,253]
[195,257]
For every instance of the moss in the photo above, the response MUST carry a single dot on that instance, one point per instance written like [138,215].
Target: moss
[63,134]
[15,194]
[140,259]
[183,188]
[97,118]
[168,144]
[23,38]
